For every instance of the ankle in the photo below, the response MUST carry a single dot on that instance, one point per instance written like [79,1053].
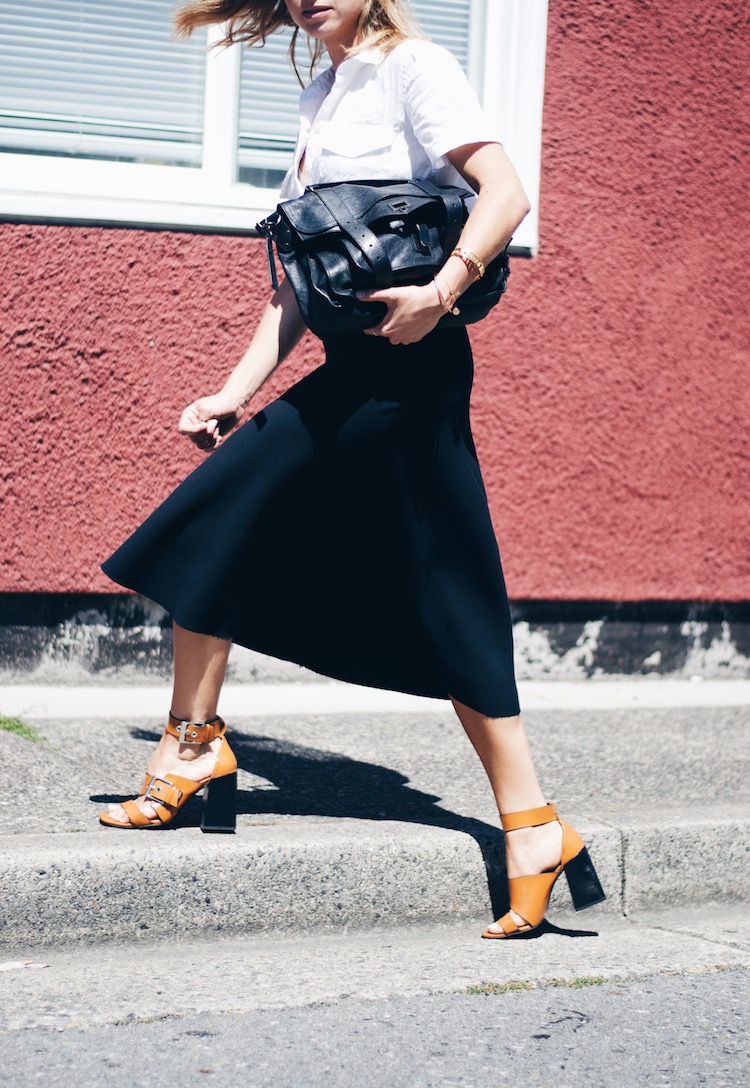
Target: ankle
[189,752]
[533,849]
[526,808]
[530,836]
[173,748]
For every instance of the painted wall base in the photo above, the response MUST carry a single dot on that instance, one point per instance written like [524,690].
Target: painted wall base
[98,638]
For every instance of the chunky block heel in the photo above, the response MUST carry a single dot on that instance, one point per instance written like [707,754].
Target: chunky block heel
[220,806]
[585,889]
[529,895]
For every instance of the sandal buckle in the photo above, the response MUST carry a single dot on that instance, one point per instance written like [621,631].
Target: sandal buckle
[149,796]
[188,735]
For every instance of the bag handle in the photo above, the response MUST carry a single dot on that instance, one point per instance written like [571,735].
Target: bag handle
[364,239]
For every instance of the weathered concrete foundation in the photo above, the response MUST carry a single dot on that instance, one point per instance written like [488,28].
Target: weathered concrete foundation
[75,638]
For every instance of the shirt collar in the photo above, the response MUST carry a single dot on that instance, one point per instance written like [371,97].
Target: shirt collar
[323,82]
[316,91]
[373,55]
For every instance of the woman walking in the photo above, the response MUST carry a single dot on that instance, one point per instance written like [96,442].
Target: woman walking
[345,526]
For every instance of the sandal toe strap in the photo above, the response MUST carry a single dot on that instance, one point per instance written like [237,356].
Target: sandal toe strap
[508,924]
[167,795]
[135,815]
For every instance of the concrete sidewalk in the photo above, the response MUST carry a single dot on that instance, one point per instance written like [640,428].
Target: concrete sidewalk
[37,701]
[359,810]
[122,985]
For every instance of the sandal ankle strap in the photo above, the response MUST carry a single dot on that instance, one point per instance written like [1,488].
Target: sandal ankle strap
[189,732]
[530,817]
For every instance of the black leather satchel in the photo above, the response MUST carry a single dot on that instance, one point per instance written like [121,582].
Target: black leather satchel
[343,237]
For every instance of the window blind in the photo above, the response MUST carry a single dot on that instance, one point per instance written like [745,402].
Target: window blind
[100,78]
[105,79]
[269,91]
[447,23]
[269,108]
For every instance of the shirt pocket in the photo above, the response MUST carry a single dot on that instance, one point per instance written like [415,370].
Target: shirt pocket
[354,141]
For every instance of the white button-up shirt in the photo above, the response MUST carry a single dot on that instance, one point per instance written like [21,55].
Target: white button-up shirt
[387,115]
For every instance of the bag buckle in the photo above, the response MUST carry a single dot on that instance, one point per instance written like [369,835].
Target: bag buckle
[423,239]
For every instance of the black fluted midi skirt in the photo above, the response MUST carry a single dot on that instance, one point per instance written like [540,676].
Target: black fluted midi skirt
[345,527]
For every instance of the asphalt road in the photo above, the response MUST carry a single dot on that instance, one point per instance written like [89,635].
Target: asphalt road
[683,1029]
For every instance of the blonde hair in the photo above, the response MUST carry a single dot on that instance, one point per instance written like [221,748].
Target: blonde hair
[382,24]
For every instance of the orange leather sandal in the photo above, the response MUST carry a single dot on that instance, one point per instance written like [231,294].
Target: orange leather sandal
[170,792]
[529,895]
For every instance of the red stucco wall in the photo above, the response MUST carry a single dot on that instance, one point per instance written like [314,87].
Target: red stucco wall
[611,402]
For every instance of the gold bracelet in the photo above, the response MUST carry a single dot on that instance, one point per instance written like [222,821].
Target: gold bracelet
[470,259]
[450,306]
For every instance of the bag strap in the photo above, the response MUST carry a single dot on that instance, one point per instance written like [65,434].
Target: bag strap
[271,262]
[455,210]
[266,227]
[364,239]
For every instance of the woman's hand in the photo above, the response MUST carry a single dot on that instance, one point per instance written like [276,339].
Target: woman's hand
[206,421]
[412,312]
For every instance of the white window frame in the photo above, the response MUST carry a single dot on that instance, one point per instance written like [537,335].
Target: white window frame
[507,36]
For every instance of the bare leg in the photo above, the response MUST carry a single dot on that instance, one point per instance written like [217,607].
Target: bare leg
[503,748]
[200,662]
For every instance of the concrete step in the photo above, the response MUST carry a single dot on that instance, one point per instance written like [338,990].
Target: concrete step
[321,874]
[351,818]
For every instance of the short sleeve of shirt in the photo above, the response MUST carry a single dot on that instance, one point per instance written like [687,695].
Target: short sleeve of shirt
[440,103]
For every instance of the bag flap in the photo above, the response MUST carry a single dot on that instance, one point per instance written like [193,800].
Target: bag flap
[308,216]
[366,201]
[369,201]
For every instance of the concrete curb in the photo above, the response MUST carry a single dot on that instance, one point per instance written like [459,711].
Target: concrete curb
[322,874]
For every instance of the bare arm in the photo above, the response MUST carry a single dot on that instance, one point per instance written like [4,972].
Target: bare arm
[207,420]
[501,205]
